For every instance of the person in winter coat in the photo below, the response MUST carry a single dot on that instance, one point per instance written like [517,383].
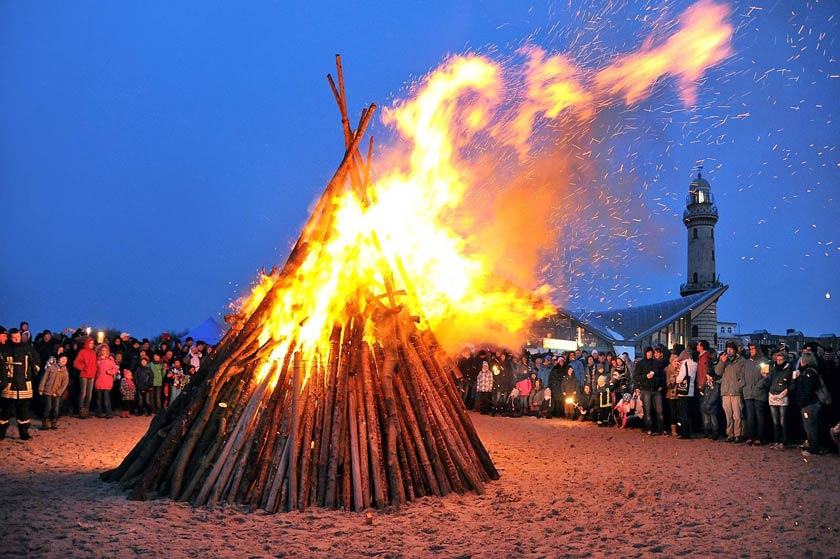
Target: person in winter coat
[144,383]
[779,398]
[85,363]
[650,379]
[484,387]
[569,391]
[671,372]
[537,403]
[756,382]
[686,385]
[128,393]
[20,365]
[55,381]
[806,382]
[604,410]
[106,370]
[158,374]
[730,369]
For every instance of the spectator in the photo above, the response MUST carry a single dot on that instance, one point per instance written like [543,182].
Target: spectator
[106,370]
[806,382]
[686,384]
[144,383]
[756,382]
[778,399]
[484,387]
[53,384]
[158,374]
[570,390]
[128,393]
[671,372]
[730,369]
[604,401]
[16,380]
[85,363]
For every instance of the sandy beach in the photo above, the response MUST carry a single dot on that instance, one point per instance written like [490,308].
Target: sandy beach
[567,490]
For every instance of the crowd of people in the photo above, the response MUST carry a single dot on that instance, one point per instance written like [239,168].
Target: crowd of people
[53,375]
[751,395]
[742,395]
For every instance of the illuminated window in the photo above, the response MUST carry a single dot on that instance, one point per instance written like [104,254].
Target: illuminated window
[701,196]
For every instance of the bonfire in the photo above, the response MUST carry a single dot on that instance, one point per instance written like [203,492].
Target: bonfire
[332,388]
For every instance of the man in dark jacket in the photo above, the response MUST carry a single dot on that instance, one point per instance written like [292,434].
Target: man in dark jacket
[20,368]
[650,380]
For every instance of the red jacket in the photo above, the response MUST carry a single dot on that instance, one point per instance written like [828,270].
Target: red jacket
[106,370]
[703,367]
[85,361]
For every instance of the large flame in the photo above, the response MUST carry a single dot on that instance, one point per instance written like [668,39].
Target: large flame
[412,231]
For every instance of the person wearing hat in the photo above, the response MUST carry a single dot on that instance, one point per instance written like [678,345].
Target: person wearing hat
[730,369]
[21,368]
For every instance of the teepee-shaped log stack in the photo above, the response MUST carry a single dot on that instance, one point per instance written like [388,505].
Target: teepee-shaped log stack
[371,419]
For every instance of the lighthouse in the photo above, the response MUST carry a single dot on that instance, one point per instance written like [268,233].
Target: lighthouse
[700,217]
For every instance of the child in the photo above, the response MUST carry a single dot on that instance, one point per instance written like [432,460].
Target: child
[604,402]
[106,370]
[177,380]
[144,384]
[158,368]
[484,387]
[55,381]
[127,393]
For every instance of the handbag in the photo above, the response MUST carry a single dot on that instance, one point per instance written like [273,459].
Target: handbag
[777,400]
[682,386]
[823,395]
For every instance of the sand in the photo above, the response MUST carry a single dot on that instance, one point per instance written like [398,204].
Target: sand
[567,490]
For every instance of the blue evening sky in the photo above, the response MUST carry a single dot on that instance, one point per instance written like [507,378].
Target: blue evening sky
[155,155]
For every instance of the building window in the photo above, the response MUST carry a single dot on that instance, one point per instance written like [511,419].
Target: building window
[713,232]
[713,255]
[695,277]
[695,233]
[721,329]
[729,329]
[695,331]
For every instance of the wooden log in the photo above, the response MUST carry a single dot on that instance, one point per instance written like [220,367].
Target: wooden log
[431,467]
[325,437]
[377,466]
[337,432]
[436,359]
[315,399]
[355,453]
[361,423]
[388,337]
[411,466]
[293,433]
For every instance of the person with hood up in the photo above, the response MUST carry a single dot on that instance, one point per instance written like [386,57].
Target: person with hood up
[106,370]
[85,363]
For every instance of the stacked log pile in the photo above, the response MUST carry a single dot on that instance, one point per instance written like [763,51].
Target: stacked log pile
[371,419]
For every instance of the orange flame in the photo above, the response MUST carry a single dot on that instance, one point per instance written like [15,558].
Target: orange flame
[417,234]
[701,42]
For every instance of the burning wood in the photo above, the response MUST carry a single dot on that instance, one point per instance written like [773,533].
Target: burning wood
[371,417]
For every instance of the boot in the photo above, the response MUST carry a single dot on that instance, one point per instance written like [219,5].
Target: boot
[83,413]
[3,428]
[46,424]
[674,430]
[54,424]
[23,429]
